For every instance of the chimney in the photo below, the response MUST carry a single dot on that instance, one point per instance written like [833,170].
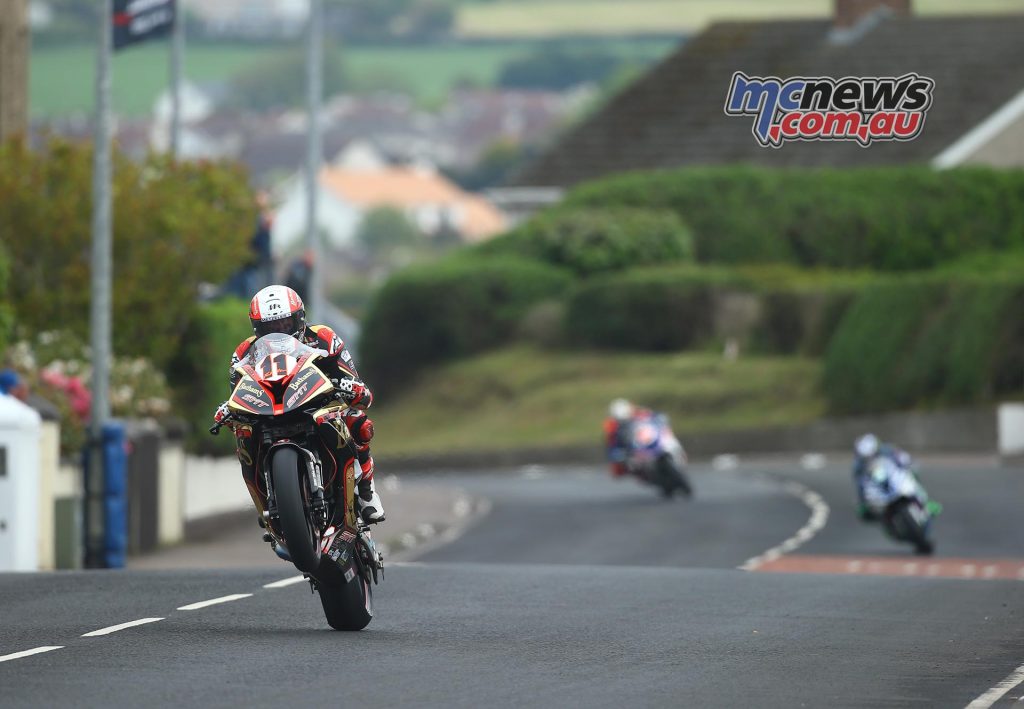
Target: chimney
[849,13]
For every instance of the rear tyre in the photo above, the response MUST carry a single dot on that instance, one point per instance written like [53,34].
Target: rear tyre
[293,504]
[348,606]
[913,532]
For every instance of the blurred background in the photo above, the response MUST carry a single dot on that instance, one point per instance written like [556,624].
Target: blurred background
[527,208]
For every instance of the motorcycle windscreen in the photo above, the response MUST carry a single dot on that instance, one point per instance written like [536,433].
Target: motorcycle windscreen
[306,385]
[250,398]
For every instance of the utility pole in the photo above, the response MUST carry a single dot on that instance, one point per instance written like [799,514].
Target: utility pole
[314,152]
[177,58]
[14,50]
[99,323]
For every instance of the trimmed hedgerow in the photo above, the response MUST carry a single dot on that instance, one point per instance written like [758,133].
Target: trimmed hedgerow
[896,218]
[438,312]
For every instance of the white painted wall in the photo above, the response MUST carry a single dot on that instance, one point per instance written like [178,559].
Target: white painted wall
[214,486]
[171,494]
[1011,429]
[49,467]
[20,431]
[337,219]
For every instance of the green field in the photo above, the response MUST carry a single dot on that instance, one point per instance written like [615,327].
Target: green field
[526,398]
[552,17]
[62,78]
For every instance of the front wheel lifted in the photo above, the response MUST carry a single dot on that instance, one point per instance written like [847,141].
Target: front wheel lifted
[293,509]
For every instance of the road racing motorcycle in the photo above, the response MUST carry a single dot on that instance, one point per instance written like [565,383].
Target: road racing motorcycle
[893,494]
[289,427]
[655,455]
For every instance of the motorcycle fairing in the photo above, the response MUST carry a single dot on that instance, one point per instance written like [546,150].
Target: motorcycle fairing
[254,396]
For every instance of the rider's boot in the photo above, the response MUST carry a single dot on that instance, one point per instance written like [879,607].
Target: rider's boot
[370,507]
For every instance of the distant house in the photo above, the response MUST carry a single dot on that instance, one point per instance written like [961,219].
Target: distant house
[673,116]
[245,18]
[360,181]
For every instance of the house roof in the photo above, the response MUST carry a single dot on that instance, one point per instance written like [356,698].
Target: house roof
[391,186]
[673,116]
[408,188]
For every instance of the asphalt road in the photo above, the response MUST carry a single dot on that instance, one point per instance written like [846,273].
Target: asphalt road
[574,591]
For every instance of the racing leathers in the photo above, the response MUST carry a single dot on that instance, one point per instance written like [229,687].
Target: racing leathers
[618,433]
[338,366]
[862,474]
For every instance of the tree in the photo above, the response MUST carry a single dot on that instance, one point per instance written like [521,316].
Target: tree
[175,225]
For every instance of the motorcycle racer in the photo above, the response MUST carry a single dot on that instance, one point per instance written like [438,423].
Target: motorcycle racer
[867,449]
[621,416]
[279,309]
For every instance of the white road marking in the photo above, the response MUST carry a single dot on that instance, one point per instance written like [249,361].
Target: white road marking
[285,582]
[28,653]
[426,531]
[122,626]
[477,511]
[463,506]
[812,461]
[214,601]
[725,462]
[819,516]
[999,691]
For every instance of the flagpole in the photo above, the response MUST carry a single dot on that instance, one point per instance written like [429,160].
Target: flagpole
[100,300]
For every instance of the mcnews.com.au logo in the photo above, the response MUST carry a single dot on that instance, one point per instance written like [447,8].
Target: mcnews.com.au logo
[823,108]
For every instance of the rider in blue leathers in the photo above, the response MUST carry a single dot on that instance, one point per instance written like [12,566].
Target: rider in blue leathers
[866,450]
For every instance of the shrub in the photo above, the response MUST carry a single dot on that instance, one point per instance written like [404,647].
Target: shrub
[592,240]
[175,225]
[6,315]
[646,309]
[771,309]
[888,218]
[432,313]
[55,366]
[199,371]
[927,340]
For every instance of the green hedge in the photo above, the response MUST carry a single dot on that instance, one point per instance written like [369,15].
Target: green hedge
[595,240]
[659,309]
[927,340]
[778,310]
[199,371]
[433,313]
[885,218]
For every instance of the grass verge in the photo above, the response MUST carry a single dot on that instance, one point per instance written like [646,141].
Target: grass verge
[523,397]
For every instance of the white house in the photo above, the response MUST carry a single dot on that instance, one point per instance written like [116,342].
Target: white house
[359,181]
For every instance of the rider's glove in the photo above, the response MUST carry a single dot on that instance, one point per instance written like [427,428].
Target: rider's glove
[222,413]
[350,390]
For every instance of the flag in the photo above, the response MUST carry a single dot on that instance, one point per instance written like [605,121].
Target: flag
[139,20]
